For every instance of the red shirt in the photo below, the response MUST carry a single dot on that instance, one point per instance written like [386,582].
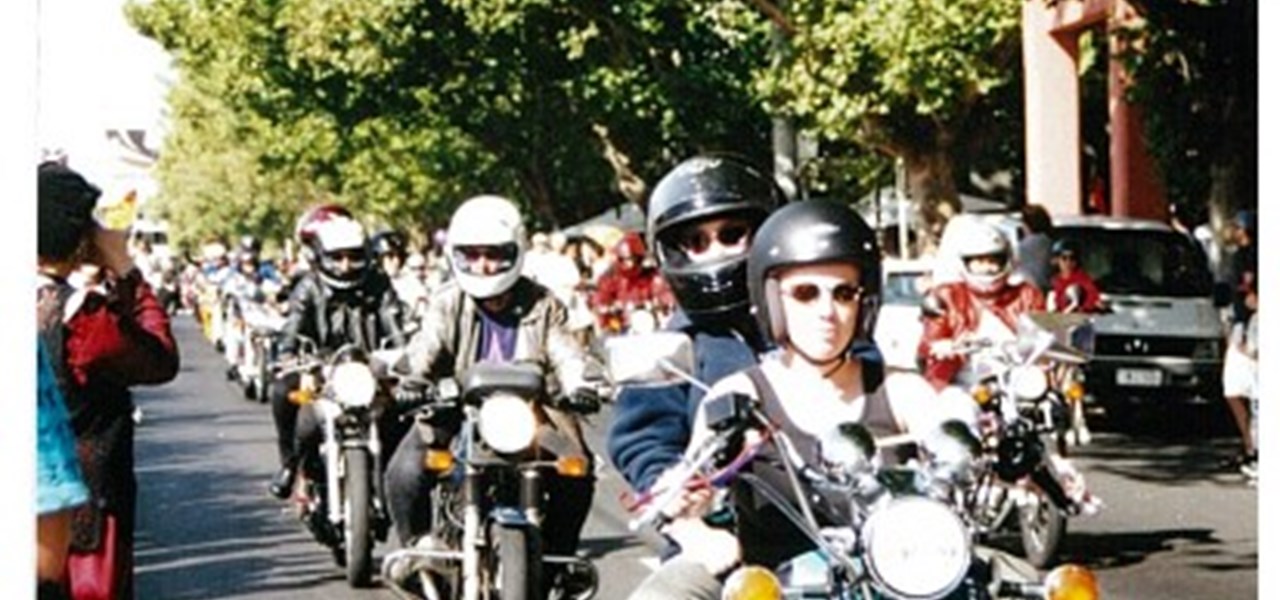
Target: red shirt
[1078,277]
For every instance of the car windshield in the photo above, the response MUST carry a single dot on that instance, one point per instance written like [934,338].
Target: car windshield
[1145,262]
[903,287]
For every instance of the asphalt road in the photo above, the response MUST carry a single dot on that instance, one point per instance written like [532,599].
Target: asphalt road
[1175,525]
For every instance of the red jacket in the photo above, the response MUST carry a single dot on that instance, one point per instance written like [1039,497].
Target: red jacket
[961,316]
[617,292]
[1082,279]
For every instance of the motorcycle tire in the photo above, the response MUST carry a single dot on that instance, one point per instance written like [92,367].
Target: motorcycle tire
[357,516]
[519,567]
[1041,526]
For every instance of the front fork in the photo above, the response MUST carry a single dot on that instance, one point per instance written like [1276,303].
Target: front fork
[335,467]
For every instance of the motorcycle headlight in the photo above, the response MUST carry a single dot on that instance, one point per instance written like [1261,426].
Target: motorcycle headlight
[917,548]
[1028,382]
[353,384]
[507,423]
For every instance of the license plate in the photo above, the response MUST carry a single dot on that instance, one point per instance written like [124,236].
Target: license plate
[1138,377]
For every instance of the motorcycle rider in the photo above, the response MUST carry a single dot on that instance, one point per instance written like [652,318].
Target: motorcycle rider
[342,299]
[814,277]
[490,312]
[629,285]
[985,303]
[702,215]
[391,250]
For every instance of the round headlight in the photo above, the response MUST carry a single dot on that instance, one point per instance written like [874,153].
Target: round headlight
[353,384]
[1028,382]
[507,423]
[917,548]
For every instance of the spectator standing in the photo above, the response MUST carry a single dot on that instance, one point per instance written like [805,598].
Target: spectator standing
[99,345]
[1034,249]
[1238,376]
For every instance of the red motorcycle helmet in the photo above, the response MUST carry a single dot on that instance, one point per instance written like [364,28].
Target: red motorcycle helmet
[631,246]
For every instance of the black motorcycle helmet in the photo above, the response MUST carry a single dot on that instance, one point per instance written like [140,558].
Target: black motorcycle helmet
[388,242]
[700,188]
[805,233]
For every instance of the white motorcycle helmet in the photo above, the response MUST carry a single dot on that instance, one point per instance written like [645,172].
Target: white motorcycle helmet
[491,226]
[970,238]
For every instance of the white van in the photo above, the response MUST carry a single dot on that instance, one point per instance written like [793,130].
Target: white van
[1162,334]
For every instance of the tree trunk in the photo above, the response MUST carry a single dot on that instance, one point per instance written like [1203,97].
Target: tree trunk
[931,185]
[630,185]
[539,195]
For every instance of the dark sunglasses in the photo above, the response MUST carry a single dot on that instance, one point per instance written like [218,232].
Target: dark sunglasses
[844,294]
[1070,257]
[698,241]
[491,253]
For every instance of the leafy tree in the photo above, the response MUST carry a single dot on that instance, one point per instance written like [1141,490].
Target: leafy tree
[1194,69]
[402,108]
[923,80]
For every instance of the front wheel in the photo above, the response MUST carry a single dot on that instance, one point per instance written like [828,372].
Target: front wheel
[1042,526]
[358,505]
[519,568]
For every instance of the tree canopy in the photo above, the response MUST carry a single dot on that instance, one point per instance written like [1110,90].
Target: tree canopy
[402,109]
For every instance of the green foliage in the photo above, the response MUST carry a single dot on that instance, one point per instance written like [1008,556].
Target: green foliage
[1194,70]
[403,108]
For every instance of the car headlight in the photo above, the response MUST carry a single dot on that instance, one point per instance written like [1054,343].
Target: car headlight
[507,423]
[917,548]
[353,384]
[1028,382]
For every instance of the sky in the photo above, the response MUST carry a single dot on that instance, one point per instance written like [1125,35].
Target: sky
[94,73]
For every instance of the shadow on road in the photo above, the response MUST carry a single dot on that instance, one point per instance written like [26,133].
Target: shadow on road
[206,525]
[1114,550]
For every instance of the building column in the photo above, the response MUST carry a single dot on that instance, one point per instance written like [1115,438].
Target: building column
[1052,101]
[1136,189]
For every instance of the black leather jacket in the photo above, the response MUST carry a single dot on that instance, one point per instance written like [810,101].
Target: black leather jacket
[365,315]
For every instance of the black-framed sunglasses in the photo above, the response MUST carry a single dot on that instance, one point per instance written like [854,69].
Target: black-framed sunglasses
[844,294]
[697,241]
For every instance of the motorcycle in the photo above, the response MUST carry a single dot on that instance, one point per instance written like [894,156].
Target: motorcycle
[1025,396]
[343,502]
[262,326]
[488,505]
[892,531]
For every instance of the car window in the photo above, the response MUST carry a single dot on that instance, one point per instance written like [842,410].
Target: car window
[903,288]
[1155,263]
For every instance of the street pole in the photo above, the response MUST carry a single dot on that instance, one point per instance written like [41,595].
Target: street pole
[900,192]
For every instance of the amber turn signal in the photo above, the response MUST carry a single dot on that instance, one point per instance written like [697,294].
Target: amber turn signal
[301,397]
[1075,391]
[571,466]
[981,394]
[438,460]
[752,583]
[1071,582]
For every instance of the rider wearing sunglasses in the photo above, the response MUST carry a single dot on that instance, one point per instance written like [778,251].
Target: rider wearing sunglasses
[814,278]
[702,217]
[341,299]
[490,312]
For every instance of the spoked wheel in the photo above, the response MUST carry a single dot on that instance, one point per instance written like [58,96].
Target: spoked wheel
[1042,526]
[357,509]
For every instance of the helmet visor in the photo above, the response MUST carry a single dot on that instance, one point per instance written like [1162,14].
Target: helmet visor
[486,259]
[706,241]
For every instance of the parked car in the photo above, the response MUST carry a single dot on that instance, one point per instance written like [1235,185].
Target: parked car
[898,328]
[1161,336]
